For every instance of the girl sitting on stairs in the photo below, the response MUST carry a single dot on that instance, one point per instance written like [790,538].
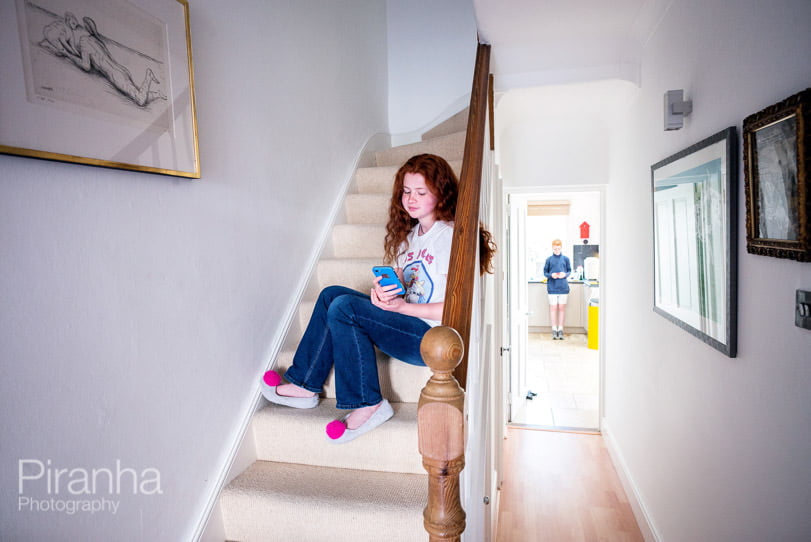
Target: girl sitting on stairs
[346,325]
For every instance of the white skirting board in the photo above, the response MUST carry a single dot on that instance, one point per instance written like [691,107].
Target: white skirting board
[635,499]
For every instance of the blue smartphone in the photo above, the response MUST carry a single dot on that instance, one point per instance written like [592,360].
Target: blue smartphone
[389,276]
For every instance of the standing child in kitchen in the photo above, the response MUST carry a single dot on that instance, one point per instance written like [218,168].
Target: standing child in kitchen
[557,269]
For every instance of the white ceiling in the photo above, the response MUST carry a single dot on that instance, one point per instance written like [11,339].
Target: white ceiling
[564,57]
[539,42]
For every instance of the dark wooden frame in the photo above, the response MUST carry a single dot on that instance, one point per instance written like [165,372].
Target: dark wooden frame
[680,161]
[797,110]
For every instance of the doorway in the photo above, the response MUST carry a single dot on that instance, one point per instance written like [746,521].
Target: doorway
[554,383]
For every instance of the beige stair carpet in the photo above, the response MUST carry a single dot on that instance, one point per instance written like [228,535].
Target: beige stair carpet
[278,502]
[304,487]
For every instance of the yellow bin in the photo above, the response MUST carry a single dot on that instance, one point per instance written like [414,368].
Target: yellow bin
[594,327]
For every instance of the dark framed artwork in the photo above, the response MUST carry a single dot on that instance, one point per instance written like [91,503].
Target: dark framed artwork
[776,155]
[100,82]
[695,224]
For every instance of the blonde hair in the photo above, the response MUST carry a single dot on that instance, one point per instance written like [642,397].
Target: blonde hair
[556,242]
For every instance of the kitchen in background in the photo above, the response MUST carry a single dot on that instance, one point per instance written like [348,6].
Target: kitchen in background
[563,375]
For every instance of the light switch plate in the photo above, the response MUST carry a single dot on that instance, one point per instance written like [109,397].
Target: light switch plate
[802,311]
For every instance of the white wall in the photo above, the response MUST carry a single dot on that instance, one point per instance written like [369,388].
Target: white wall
[432,51]
[717,448]
[583,207]
[558,135]
[136,310]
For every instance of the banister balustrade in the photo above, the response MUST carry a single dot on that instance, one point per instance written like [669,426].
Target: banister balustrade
[445,349]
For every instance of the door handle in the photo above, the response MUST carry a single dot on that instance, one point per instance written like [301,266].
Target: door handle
[504,349]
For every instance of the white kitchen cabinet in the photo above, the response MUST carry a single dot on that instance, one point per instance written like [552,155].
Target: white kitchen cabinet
[538,305]
[538,317]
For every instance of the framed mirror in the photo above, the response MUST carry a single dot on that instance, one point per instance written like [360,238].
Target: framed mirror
[695,225]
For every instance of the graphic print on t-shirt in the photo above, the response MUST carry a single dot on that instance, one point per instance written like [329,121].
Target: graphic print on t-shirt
[418,283]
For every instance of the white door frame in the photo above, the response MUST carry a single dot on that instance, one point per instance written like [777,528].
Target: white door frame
[526,191]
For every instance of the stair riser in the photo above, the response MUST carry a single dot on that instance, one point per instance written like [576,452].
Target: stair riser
[400,382]
[379,180]
[367,208]
[375,180]
[457,123]
[289,435]
[305,310]
[355,274]
[450,147]
[355,241]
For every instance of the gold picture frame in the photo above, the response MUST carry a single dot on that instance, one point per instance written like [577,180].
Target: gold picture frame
[776,155]
[105,83]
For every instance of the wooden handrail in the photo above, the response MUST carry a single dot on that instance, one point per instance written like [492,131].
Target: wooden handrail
[464,263]
[440,413]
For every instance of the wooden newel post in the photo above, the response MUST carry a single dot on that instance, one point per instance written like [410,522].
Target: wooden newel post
[441,425]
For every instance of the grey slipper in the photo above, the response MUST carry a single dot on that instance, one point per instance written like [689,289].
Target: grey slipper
[269,392]
[381,415]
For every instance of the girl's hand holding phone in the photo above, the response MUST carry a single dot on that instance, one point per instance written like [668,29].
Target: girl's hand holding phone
[386,297]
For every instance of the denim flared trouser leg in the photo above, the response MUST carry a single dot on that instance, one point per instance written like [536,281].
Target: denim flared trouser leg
[343,331]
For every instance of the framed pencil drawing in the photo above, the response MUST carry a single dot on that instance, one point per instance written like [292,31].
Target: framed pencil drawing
[99,82]
[776,154]
[695,225]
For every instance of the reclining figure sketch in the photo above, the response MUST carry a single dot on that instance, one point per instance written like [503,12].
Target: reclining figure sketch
[85,46]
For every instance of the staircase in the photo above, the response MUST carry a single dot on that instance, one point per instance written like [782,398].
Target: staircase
[303,487]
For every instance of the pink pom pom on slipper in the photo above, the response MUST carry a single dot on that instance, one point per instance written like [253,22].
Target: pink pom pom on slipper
[269,383]
[335,429]
[272,378]
[340,433]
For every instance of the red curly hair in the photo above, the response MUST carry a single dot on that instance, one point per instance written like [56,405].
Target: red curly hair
[440,180]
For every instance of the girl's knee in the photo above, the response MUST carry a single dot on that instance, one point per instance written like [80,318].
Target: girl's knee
[329,294]
[343,307]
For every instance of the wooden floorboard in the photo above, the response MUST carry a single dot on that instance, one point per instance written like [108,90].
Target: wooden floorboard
[562,487]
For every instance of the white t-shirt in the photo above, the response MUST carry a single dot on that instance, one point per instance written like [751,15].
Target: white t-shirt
[425,264]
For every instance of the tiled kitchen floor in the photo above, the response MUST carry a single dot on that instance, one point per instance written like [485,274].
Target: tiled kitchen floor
[566,376]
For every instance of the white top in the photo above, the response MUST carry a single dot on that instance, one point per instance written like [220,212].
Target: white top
[425,264]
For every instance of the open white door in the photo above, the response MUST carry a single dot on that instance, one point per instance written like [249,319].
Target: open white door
[518,301]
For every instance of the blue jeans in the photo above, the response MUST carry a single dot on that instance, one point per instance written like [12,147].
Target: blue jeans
[343,331]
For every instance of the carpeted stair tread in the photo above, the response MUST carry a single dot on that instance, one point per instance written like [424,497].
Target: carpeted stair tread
[287,434]
[282,501]
[450,147]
